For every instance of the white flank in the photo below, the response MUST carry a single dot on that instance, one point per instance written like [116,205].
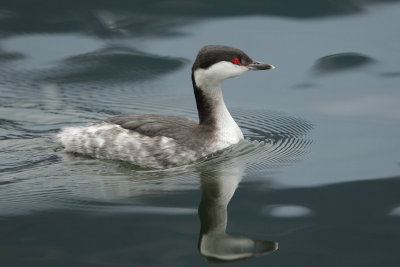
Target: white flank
[110,141]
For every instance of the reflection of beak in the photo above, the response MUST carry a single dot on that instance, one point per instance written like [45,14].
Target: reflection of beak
[260,66]
[223,248]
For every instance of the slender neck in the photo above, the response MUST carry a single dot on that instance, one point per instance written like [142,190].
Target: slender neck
[213,112]
[210,103]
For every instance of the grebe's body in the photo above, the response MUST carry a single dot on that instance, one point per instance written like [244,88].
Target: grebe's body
[160,141]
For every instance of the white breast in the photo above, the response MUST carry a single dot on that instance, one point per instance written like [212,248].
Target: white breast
[228,131]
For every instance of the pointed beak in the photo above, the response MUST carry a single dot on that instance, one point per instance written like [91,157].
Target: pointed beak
[260,66]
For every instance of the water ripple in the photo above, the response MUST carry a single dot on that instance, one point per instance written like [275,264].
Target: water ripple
[36,174]
[100,66]
[341,62]
[28,164]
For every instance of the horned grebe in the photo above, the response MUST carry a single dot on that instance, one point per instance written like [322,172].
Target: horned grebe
[161,141]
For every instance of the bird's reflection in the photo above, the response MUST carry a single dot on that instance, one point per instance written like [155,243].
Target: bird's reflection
[218,186]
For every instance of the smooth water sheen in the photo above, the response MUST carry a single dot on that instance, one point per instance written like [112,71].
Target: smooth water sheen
[314,183]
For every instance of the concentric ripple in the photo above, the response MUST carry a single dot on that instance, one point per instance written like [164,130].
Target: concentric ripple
[46,177]
[36,174]
[272,140]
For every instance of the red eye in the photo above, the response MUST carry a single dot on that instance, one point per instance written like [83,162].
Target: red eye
[236,61]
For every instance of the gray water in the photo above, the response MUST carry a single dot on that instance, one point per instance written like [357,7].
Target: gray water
[315,183]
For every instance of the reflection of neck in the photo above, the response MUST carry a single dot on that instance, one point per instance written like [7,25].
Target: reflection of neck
[218,187]
[217,190]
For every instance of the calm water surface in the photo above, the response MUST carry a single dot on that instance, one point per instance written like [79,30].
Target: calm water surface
[315,183]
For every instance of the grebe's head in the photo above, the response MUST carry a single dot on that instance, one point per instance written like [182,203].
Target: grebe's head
[215,63]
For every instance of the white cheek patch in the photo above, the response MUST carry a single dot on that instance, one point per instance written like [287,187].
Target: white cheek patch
[217,73]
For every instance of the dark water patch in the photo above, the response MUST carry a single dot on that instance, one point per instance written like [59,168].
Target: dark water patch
[9,56]
[384,190]
[136,18]
[393,74]
[113,65]
[354,211]
[55,247]
[50,238]
[305,85]
[341,62]
[27,253]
